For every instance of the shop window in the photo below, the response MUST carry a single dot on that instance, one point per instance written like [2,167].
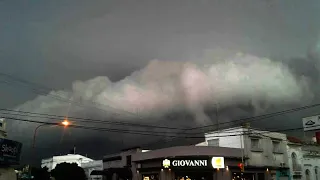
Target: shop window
[276,146]
[213,142]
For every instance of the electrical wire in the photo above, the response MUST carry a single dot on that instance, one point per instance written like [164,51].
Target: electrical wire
[100,129]
[142,132]
[79,119]
[250,119]
[89,120]
[261,117]
[166,134]
[43,90]
[247,120]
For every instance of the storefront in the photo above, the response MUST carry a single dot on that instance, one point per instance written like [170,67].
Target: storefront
[187,163]
[184,163]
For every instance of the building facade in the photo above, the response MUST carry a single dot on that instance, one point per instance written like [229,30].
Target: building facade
[181,163]
[237,153]
[261,148]
[304,159]
[193,162]
[52,162]
[91,166]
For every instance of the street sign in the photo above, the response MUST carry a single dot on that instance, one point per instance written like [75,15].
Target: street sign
[311,123]
[10,151]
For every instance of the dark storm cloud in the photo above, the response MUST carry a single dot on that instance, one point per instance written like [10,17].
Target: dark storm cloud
[55,43]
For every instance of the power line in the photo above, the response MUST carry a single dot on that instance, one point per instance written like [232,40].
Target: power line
[239,133]
[44,91]
[261,117]
[79,119]
[241,120]
[144,132]
[89,120]
[151,133]
[128,131]
[250,119]
[125,123]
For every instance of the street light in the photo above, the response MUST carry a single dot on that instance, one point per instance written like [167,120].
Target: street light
[64,123]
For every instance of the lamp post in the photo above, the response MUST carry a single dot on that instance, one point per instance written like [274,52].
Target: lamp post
[64,123]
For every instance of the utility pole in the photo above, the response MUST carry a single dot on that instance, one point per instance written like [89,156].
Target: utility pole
[217,117]
[246,126]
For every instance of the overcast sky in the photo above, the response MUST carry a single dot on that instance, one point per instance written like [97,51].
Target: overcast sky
[54,43]
[78,39]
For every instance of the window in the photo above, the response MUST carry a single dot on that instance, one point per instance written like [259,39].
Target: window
[316,172]
[294,161]
[307,174]
[129,160]
[255,144]
[276,146]
[213,142]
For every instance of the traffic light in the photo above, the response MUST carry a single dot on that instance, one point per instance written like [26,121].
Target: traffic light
[241,166]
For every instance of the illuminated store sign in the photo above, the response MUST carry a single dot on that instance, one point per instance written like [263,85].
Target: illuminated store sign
[216,162]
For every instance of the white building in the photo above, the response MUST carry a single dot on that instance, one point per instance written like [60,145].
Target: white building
[90,166]
[260,148]
[51,163]
[304,159]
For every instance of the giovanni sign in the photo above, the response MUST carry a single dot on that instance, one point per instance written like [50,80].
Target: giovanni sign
[214,162]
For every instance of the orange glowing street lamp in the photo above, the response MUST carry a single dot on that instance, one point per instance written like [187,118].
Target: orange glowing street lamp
[64,123]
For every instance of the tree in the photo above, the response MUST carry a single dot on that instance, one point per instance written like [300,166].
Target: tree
[67,171]
[40,173]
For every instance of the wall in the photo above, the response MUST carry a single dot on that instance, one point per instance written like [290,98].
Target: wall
[240,138]
[70,158]
[7,174]
[225,140]
[123,161]
[188,151]
[311,164]
[296,149]
[268,157]
[305,160]
[311,160]
[3,124]
[47,163]
[90,166]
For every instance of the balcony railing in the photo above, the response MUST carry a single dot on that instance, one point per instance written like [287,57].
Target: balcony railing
[296,167]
